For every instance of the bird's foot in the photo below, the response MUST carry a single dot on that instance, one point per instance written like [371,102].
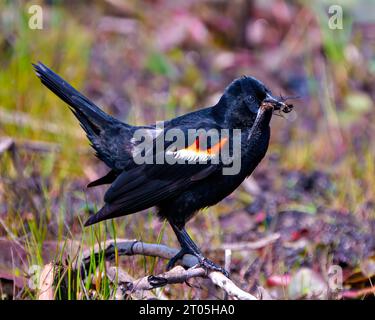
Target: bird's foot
[177,257]
[202,261]
[210,265]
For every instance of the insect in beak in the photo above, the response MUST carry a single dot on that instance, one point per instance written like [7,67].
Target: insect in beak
[278,103]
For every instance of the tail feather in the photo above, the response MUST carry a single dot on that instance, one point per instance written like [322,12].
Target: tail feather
[99,216]
[107,179]
[90,116]
[106,212]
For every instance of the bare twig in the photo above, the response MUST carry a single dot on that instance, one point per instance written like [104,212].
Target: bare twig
[124,281]
[129,286]
[6,144]
[255,245]
[179,275]
[23,119]
[124,26]
[46,282]
[227,262]
[251,186]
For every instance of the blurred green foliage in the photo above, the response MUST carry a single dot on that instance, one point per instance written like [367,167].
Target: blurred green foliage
[144,61]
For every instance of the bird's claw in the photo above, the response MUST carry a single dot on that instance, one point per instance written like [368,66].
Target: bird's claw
[210,265]
[177,257]
[203,262]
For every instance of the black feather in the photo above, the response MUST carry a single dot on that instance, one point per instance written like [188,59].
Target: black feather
[177,190]
[107,179]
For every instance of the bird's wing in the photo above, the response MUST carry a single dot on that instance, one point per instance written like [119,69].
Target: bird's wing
[146,185]
[111,138]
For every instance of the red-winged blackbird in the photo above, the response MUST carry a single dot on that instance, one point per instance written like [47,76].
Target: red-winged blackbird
[178,190]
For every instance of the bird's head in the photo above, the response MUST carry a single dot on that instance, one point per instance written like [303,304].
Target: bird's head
[247,97]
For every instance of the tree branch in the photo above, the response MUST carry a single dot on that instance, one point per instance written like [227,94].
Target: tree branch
[176,275]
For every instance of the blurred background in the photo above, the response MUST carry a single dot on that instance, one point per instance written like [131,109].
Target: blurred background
[145,61]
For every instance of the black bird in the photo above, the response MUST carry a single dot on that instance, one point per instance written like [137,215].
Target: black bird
[178,190]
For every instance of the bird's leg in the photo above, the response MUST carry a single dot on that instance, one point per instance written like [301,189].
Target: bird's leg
[189,247]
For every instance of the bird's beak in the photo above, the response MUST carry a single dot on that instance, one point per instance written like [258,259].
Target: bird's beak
[277,103]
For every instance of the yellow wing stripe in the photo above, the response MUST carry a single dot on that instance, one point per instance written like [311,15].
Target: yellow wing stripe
[193,152]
